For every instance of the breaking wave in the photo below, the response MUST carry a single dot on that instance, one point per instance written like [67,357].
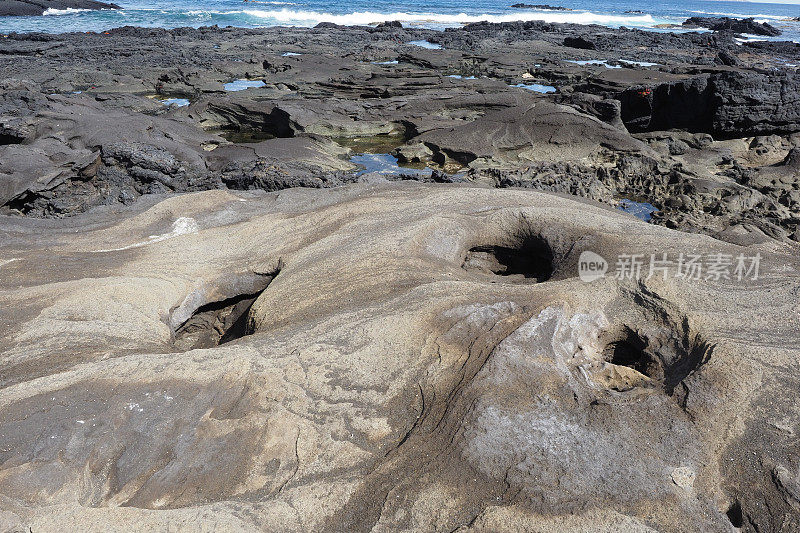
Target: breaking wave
[742,15]
[311,18]
[67,11]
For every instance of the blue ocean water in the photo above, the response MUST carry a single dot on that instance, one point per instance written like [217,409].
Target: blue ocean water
[426,13]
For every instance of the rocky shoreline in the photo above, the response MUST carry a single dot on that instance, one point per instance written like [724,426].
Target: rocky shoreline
[221,308]
[702,127]
[740,26]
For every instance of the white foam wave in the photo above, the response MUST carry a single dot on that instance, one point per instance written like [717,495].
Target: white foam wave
[741,15]
[310,18]
[67,11]
[750,38]
[196,12]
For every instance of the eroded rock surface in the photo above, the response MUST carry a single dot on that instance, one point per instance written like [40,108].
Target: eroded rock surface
[698,125]
[417,357]
[215,315]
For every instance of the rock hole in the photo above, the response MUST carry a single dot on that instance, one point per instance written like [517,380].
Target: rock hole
[631,351]
[735,515]
[217,323]
[530,259]
[667,359]
[6,139]
[24,204]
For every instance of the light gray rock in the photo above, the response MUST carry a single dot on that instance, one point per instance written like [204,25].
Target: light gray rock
[380,383]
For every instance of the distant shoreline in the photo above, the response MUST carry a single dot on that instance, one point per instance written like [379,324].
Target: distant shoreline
[23,8]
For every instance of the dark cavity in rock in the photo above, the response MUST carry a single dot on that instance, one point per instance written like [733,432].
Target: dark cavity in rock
[528,260]
[219,322]
[735,515]
[666,359]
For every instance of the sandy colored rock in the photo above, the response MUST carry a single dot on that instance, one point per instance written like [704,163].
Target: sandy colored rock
[377,383]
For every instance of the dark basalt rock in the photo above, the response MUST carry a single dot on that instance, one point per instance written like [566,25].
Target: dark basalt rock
[544,7]
[14,132]
[787,48]
[327,25]
[726,58]
[725,104]
[747,25]
[579,42]
[62,152]
[12,8]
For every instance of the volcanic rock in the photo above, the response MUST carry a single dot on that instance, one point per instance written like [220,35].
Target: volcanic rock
[543,7]
[38,7]
[725,104]
[579,42]
[748,25]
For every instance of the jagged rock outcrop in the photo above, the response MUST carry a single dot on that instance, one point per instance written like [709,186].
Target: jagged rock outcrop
[747,25]
[725,104]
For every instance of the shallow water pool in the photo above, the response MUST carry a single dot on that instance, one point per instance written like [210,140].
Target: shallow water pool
[177,102]
[641,210]
[241,85]
[384,164]
[585,62]
[536,87]
[426,44]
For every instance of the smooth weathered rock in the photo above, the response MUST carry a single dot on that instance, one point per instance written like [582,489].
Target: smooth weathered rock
[541,131]
[363,356]
[385,383]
